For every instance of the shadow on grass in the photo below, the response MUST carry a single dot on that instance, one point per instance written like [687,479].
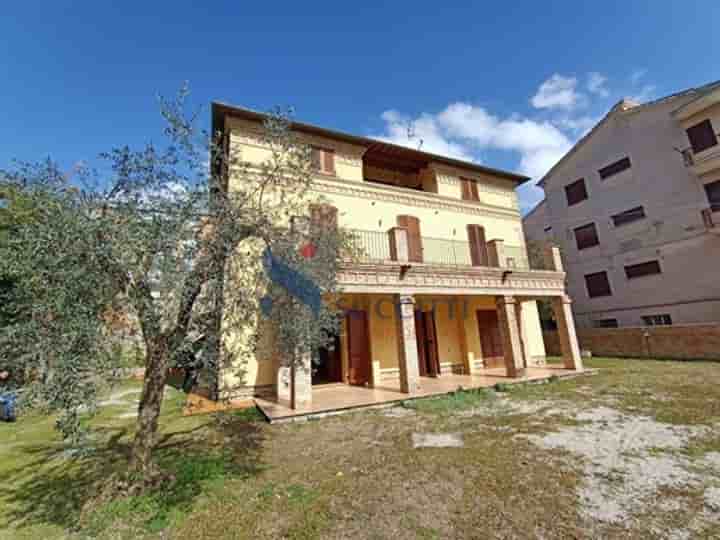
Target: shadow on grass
[54,486]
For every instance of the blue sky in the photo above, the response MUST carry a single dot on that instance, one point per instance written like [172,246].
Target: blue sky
[508,84]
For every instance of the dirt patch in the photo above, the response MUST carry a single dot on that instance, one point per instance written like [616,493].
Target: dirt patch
[626,459]
[437,440]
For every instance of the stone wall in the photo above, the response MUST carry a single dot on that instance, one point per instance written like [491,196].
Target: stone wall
[677,341]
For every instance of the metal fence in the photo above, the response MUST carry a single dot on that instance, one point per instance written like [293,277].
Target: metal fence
[374,246]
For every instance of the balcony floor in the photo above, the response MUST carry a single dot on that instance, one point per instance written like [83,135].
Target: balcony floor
[339,398]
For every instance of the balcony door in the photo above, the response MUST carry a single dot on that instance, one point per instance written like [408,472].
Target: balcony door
[358,339]
[412,225]
[426,336]
[490,338]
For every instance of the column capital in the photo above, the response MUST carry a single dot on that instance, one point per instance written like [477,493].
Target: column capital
[505,300]
[406,299]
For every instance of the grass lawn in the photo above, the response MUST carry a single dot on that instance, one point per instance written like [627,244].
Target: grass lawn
[631,452]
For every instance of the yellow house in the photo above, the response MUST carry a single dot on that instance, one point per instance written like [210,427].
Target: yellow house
[442,295]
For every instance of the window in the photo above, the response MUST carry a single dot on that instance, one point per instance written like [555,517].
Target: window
[469,189]
[323,160]
[586,236]
[615,168]
[576,192]
[606,323]
[701,136]
[657,320]
[628,216]
[643,269]
[597,284]
[712,190]
[478,246]
[548,229]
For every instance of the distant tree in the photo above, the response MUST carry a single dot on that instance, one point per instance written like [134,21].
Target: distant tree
[158,230]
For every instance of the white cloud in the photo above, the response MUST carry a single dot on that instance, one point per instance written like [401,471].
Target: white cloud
[637,74]
[596,84]
[463,130]
[557,92]
[422,133]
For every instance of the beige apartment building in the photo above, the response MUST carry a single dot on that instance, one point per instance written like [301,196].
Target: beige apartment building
[635,207]
[441,294]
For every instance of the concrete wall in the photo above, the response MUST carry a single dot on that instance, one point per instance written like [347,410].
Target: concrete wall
[672,232]
[701,341]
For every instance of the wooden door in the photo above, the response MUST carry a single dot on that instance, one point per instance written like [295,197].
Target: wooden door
[412,224]
[358,347]
[490,338]
[420,339]
[478,247]
[426,336]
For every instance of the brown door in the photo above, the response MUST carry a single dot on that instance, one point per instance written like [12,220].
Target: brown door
[490,338]
[412,224]
[426,335]
[358,347]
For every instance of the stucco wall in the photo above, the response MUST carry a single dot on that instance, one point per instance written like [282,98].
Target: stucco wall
[672,232]
[369,207]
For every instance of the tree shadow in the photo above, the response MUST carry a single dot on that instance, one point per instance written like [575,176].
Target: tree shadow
[54,485]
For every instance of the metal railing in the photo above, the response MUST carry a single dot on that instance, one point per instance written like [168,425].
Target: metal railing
[374,246]
[369,246]
[446,252]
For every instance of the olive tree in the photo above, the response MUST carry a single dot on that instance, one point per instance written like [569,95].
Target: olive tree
[186,236]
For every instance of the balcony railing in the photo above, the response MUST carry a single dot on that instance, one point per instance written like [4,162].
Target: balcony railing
[374,246]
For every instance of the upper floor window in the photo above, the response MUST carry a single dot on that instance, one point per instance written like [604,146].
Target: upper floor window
[323,159]
[663,319]
[586,236]
[598,284]
[606,323]
[643,269]
[615,168]
[701,136]
[628,216]
[712,190]
[469,189]
[576,192]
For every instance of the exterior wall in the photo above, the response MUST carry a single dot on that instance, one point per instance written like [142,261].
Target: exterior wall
[672,231]
[682,341]
[370,207]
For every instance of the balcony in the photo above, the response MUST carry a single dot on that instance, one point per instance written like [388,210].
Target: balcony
[704,162]
[711,218]
[377,247]
[385,263]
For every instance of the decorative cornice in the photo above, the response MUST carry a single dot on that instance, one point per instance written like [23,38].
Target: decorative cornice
[409,197]
[432,279]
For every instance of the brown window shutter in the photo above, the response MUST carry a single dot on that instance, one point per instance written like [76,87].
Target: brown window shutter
[329,161]
[323,216]
[315,158]
[474,195]
[465,185]
[478,247]
[412,225]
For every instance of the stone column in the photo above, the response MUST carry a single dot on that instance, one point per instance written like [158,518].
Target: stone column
[294,384]
[566,332]
[553,261]
[496,253]
[510,332]
[398,244]
[407,343]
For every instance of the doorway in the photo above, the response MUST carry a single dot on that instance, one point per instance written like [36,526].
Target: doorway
[426,336]
[358,338]
[490,338]
[327,363]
